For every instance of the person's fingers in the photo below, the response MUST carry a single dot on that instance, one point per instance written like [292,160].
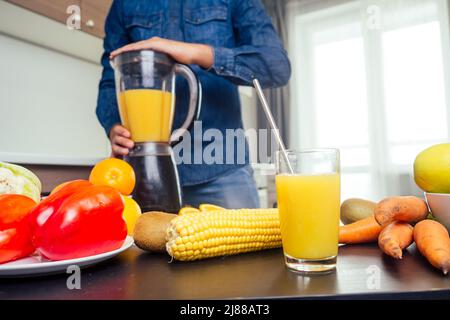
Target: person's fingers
[121,131]
[123,142]
[119,151]
[152,43]
[122,49]
[130,47]
[118,51]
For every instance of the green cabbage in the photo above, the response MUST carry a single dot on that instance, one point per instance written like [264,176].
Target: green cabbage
[15,179]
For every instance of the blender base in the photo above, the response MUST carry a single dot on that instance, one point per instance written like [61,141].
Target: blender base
[157,183]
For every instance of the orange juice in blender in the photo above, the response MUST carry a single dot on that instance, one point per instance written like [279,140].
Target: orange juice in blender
[147,114]
[145,83]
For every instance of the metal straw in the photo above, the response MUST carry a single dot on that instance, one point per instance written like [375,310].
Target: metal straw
[272,123]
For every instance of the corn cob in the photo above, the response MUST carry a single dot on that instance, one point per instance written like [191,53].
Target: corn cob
[200,235]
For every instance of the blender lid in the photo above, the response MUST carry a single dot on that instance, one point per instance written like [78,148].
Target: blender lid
[143,56]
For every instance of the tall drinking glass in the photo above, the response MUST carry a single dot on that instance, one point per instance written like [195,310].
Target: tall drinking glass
[309,204]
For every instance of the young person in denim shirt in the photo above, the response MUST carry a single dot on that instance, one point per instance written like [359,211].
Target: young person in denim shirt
[227,43]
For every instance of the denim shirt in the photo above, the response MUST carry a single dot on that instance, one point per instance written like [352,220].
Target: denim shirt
[245,44]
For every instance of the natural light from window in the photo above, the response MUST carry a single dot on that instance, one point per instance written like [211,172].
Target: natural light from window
[414,90]
[377,95]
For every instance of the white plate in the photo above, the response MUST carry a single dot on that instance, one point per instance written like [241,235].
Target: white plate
[36,265]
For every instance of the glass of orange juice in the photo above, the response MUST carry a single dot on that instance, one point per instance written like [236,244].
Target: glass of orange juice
[308,194]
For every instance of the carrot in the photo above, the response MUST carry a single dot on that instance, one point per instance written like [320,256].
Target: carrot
[362,231]
[395,237]
[406,209]
[433,242]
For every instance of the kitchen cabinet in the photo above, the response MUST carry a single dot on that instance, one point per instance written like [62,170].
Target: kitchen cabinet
[93,16]
[93,12]
[53,9]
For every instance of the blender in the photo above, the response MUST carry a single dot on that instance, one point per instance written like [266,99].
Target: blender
[145,87]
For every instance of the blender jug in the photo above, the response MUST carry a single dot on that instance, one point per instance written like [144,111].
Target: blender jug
[145,88]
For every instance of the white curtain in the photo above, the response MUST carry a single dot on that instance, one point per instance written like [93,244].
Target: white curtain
[371,78]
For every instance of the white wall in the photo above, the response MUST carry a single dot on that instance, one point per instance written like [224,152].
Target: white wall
[48,90]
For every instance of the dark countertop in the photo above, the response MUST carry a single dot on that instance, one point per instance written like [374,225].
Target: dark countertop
[138,275]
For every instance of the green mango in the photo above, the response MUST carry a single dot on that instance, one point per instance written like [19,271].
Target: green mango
[19,180]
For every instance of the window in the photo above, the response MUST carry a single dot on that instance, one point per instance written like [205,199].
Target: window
[370,79]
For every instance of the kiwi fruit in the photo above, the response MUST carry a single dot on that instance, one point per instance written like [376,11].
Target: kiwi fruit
[354,209]
[150,231]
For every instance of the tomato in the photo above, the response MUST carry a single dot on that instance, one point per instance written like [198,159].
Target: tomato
[84,223]
[114,173]
[131,213]
[15,233]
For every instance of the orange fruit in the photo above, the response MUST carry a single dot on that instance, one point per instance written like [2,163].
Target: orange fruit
[131,213]
[114,173]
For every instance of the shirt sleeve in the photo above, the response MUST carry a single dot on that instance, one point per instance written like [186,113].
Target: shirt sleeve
[115,37]
[259,52]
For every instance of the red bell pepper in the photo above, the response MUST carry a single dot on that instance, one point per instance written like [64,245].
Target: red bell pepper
[79,222]
[15,233]
[50,205]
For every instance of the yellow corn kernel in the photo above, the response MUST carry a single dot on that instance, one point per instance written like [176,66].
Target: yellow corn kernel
[200,235]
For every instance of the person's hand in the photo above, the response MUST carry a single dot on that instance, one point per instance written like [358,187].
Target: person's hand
[121,144]
[182,52]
